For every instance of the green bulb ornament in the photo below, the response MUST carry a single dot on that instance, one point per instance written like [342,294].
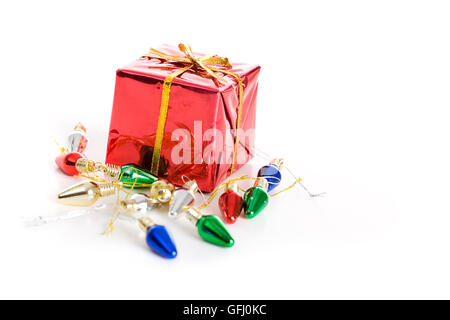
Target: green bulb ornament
[210,228]
[129,174]
[132,173]
[256,198]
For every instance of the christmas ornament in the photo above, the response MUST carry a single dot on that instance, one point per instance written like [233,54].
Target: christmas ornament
[157,238]
[256,198]
[130,174]
[181,197]
[86,193]
[76,144]
[77,139]
[161,191]
[230,202]
[272,173]
[210,228]
[138,202]
[66,162]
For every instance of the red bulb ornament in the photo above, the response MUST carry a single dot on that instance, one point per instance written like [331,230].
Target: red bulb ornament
[230,203]
[66,162]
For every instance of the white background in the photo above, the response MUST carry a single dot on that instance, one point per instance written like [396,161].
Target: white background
[353,94]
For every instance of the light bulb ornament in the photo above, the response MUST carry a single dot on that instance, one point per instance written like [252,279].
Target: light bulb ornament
[86,193]
[230,202]
[158,238]
[66,162]
[138,203]
[181,197]
[129,174]
[209,227]
[76,144]
[77,139]
[272,173]
[256,198]
[162,191]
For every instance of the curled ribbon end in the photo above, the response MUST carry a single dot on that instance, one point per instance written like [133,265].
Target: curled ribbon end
[227,63]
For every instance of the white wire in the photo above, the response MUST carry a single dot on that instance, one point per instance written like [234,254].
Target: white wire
[72,214]
[41,220]
[264,155]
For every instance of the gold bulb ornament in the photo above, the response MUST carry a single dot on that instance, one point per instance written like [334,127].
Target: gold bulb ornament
[86,193]
[162,191]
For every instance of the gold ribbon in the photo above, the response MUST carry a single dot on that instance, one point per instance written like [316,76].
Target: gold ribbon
[207,66]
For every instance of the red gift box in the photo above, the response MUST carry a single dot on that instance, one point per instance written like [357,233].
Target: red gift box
[199,133]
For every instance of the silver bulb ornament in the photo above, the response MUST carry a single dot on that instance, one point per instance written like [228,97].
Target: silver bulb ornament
[181,197]
[77,139]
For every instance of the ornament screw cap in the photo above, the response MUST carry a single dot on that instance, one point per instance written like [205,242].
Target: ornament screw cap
[84,165]
[145,223]
[80,127]
[231,186]
[262,183]
[191,185]
[279,162]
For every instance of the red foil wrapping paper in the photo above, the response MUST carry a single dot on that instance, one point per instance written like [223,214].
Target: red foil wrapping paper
[199,133]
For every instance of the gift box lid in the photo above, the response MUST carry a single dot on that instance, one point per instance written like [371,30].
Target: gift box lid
[158,69]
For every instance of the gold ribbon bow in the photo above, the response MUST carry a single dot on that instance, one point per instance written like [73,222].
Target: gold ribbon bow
[209,64]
